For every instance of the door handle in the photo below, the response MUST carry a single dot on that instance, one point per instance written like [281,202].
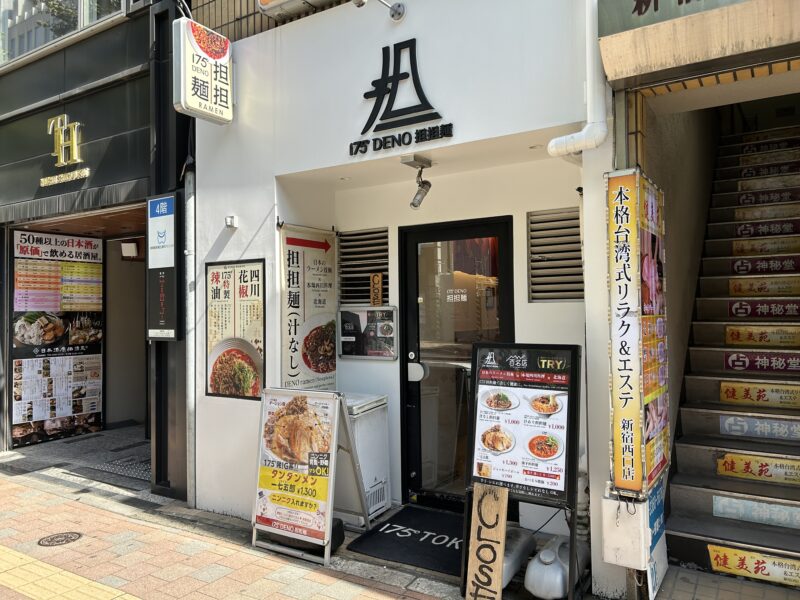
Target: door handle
[417,371]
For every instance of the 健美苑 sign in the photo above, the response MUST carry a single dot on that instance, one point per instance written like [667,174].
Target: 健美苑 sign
[57,336]
[639,395]
[235,329]
[308,308]
[368,332]
[202,78]
[526,420]
[767,469]
[162,287]
[616,16]
[755,565]
[759,394]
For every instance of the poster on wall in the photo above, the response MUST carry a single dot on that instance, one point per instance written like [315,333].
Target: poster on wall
[56,336]
[368,332]
[308,308]
[162,286]
[235,329]
[526,419]
[639,369]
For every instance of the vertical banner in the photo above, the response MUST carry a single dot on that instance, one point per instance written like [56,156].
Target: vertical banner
[162,287]
[639,395]
[57,336]
[297,462]
[308,308]
[235,329]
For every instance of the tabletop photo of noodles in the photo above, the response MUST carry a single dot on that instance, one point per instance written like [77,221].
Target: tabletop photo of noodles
[319,348]
[235,369]
[294,430]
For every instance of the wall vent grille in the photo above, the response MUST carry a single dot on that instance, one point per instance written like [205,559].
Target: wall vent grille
[555,268]
[362,253]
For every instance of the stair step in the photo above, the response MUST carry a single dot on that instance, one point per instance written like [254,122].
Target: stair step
[746,361]
[750,309]
[787,210]
[777,425]
[736,458]
[756,183]
[756,265]
[752,198]
[776,155]
[758,147]
[785,244]
[750,285]
[760,335]
[738,391]
[694,540]
[757,170]
[753,229]
[739,500]
[751,137]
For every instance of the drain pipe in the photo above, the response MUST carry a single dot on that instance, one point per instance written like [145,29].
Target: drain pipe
[595,131]
[191,378]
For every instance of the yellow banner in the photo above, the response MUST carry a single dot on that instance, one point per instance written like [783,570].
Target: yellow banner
[291,482]
[759,394]
[753,336]
[778,245]
[780,285]
[755,565]
[624,282]
[766,469]
[773,211]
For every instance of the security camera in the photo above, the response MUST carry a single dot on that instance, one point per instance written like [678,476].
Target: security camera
[359,3]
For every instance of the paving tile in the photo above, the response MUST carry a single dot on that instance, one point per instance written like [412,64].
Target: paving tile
[193,547]
[113,581]
[303,589]
[264,588]
[249,574]
[727,595]
[173,572]
[222,588]
[183,587]
[211,573]
[287,574]
[343,590]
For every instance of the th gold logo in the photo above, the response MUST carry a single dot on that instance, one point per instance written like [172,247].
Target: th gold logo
[66,140]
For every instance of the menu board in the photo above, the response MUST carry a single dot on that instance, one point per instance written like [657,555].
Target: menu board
[525,420]
[57,336]
[368,332]
[296,466]
[235,329]
[308,308]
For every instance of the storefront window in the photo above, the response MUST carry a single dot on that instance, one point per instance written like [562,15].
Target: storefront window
[26,25]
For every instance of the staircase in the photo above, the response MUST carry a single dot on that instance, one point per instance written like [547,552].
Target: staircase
[737,486]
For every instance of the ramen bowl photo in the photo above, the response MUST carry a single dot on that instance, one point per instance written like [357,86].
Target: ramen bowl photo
[545,446]
[499,400]
[547,404]
[318,347]
[235,369]
[497,440]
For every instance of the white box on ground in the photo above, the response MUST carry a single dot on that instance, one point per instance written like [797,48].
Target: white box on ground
[626,539]
[369,422]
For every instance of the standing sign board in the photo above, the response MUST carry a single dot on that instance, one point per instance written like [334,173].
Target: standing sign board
[202,77]
[524,432]
[56,336]
[308,308]
[298,443]
[235,329]
[639,370]
[162,285]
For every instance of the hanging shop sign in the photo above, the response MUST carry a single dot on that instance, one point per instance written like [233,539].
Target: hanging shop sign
[394,82]
[308,308]
[755,565]
[616,16]
[66,150]
[202,76]
[162,284]
[368,332]
[376,289]
[57,336]
[639,370]
[235,329]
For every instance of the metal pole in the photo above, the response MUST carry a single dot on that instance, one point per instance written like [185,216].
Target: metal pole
[191,380]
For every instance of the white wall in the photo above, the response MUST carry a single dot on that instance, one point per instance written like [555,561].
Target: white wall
[126,369]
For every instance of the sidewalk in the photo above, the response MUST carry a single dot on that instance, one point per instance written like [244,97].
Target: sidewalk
[119,557]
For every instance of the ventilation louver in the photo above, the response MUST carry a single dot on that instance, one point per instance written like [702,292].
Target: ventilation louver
[362,253]
[555,269]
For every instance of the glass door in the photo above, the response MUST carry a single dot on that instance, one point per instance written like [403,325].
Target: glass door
[457,282]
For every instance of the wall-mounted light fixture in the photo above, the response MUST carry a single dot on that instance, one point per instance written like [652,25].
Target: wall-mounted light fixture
[232,222]
[396,11]
[418,162]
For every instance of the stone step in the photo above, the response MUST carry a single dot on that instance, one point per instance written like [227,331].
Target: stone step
[784,244]
[750,137]
[757,170]
[773,425]
[775,506]
[786,210]
[756,183]
[737,459]
[745,148]
[753,198]
[724,286]
[753,229]
[747,309]
[755,265]
[744,362]
[737,390]
[777,155]
[746,335]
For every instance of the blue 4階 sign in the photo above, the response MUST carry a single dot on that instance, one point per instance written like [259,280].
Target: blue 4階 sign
[162,288]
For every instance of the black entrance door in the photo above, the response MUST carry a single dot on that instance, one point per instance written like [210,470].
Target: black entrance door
[457,288]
